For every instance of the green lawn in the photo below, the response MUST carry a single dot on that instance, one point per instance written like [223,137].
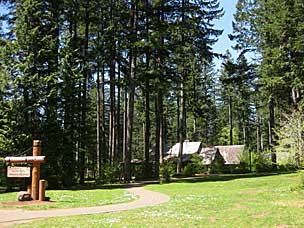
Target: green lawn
[229,201]
[74,198]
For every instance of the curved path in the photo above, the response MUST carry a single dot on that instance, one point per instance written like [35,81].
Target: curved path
[146,198]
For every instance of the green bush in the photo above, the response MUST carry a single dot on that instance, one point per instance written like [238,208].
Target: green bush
[301,178]
[238,169]
[286,167]
[194,166]
[2,173]
[166,171]
[218,164]
[189,170]
[138,172]
[196,160]
[245,158]
[262,162]
[111,173]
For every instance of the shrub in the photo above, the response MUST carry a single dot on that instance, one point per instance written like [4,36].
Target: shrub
[166,171]
[2,172]
[286,167]
[290,136]
[246,157]
[138,171]
[238,169]
[199,167]
[262,162]
[301,178]
[111,173]
[300,185]
[189,169]
[218,164]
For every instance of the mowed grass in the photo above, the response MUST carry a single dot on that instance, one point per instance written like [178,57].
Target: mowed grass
[267,201]
[74,198]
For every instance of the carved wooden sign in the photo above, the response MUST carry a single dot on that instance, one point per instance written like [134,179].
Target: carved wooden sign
[27,159]
[36,161]
[18,171]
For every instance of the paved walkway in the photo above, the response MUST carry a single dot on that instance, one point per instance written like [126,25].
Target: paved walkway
[146,198]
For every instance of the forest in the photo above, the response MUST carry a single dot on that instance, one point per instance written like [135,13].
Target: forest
[104,83]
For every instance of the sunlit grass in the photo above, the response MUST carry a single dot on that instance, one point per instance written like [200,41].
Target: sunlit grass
[222,202]
[75,198]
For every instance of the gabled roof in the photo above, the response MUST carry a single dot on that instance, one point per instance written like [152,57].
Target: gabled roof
[231,154]
[208,155]
[188,148]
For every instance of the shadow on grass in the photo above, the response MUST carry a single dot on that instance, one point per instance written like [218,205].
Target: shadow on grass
[110,186]
[195,179]
[222,177]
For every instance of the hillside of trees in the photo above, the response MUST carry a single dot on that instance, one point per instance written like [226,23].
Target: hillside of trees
[102,83]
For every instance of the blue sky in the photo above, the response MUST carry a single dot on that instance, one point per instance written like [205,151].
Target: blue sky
[225,23]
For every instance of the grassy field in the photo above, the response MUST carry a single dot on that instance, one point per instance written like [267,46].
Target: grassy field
[224,201]
[74,198]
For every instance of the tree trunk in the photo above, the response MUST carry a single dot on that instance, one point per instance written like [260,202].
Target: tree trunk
[160,107]
[112,132]
[98,111]
[182,126]
[161,127]
[117,154]
[157,137]
[112,118]
[182,120]
[131,93]
[84,98]
[69,158]
[244,131]
[147,172]
[271,133]
[178,118]
[104,153]
[258,132]
[125,122]
[147,129]
[230,121]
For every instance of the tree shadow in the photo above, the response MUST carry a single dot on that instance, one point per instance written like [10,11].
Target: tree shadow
[112,186]
[223,177]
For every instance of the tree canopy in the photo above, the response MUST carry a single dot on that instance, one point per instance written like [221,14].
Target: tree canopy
[105,83]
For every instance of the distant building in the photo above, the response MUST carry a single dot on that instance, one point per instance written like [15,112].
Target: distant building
[230,154]
[209,155]
[189,148]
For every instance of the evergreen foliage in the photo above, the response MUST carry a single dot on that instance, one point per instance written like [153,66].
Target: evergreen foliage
[290,137]
[106,83]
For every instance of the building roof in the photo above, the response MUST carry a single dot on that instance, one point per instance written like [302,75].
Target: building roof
[188,148]
[231,154]
[208,155]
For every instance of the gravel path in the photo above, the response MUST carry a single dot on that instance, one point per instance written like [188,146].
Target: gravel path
[146,198]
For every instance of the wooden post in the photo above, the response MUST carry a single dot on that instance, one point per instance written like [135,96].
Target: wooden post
[42,186]
[29,189]
[36,170]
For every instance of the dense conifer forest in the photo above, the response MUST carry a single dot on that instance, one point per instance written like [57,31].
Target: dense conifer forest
[104,83]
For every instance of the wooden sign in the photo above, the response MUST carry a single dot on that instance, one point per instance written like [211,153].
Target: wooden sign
[18,171]
[28,159]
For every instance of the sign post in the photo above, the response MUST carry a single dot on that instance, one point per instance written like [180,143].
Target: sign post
[36,170]
[36,160]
